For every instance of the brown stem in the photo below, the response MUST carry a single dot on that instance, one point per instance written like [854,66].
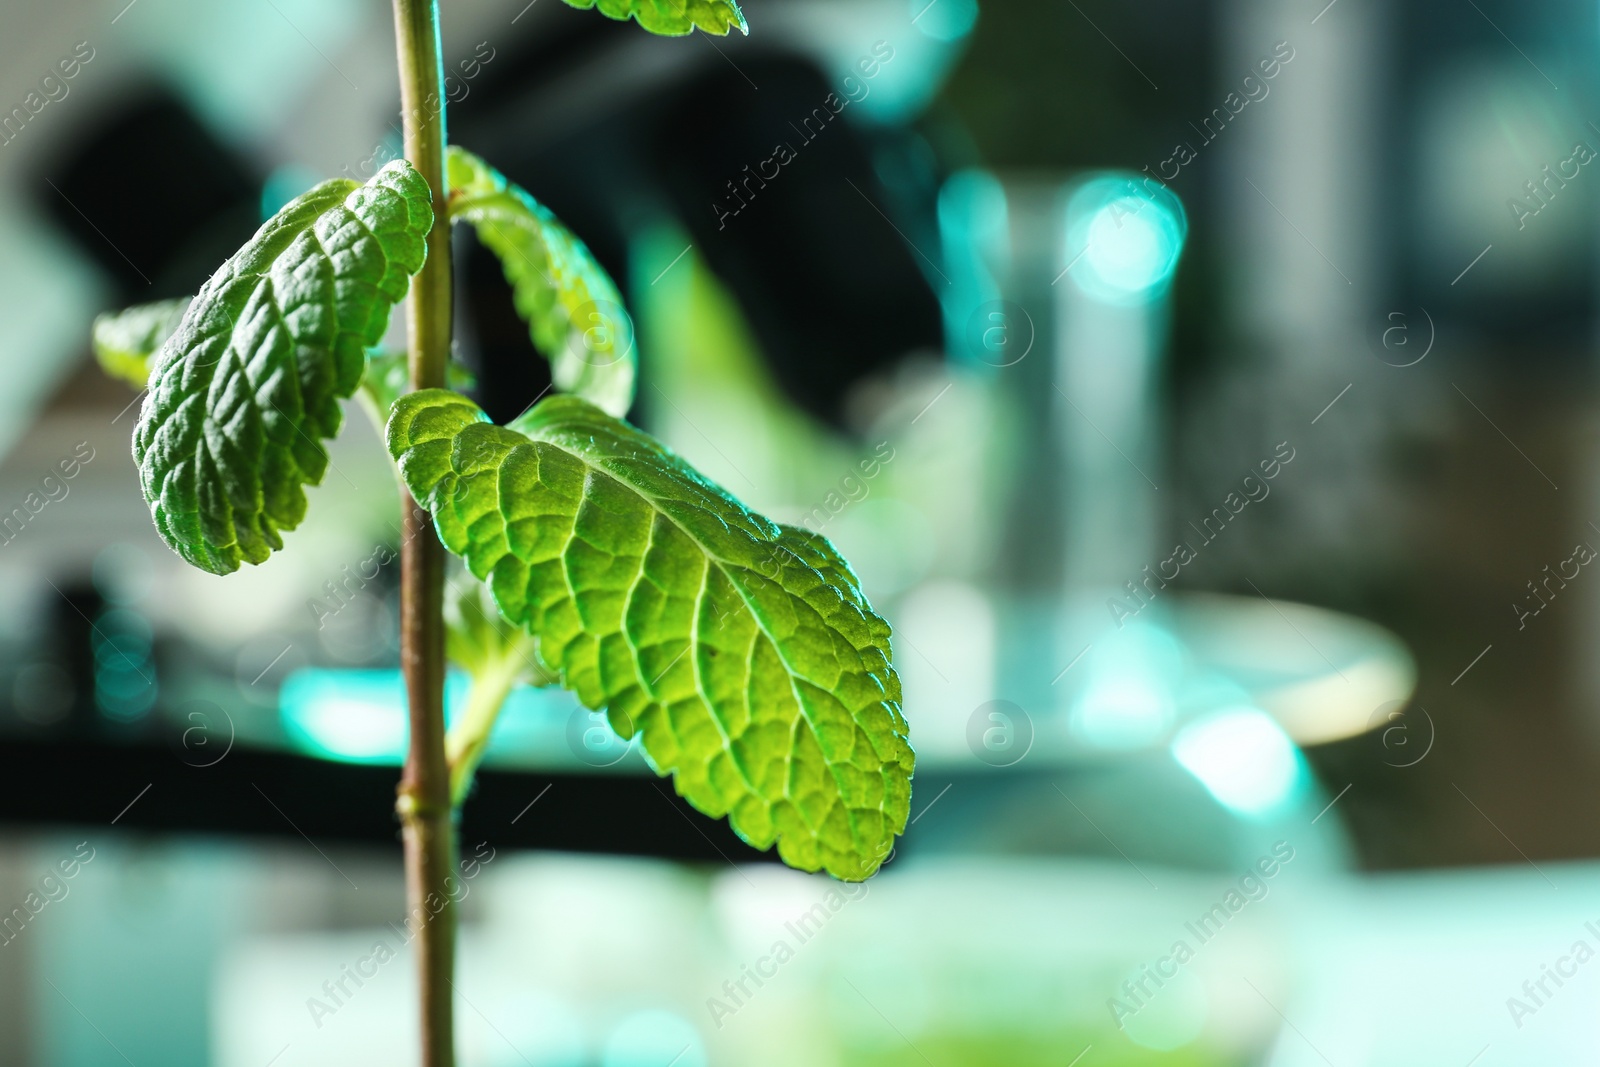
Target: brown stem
[424,794]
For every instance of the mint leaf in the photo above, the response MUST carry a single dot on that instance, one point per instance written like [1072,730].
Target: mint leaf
[499,657]
[573,310]
[479,640]
[243,393]
[673,18]
[388,375]
[743,651]
[126,340]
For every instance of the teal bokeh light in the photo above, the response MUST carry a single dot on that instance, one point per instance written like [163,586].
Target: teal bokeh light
[1124,237]
[945,20]
[355,716]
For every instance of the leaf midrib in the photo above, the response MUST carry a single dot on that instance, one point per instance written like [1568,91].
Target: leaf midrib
[257,280]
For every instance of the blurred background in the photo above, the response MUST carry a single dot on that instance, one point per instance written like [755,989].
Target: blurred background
[1205,391]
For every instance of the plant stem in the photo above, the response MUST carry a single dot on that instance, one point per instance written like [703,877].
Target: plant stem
[424,795]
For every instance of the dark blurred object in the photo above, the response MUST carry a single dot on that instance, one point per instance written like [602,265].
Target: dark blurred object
[258,793]
[71,645]
[94,675]
[153,198]
[833,293]
[613,133]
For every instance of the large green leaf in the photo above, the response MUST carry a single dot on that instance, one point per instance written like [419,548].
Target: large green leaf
[573,310]
[243,393]
[744,651]
[673,18]
[126,341]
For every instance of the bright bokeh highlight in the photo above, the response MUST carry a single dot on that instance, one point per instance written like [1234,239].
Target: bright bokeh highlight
[1243,759]
[1124,237]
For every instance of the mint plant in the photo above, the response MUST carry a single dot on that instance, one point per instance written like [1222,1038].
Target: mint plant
[741,652]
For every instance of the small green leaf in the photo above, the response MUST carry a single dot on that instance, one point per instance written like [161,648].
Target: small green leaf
[478,639]
[388,376]
[242,394]
[126,340]
[673,18]
[743,651]
[498,655]
[573,310]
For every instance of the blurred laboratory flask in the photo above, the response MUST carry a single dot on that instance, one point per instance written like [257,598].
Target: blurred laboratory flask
[1060,294]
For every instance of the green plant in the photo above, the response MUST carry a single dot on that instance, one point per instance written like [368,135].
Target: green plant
[743,653]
